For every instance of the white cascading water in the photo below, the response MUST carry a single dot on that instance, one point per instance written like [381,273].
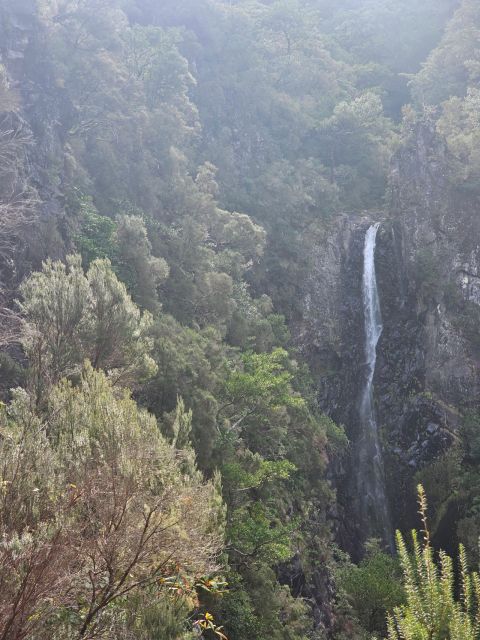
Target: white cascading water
[373,503]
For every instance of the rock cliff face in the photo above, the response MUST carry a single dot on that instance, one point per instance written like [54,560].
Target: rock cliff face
[331,338]
[427,374]
[430,350]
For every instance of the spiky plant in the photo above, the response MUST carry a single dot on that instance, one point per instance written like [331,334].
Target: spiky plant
[432,610]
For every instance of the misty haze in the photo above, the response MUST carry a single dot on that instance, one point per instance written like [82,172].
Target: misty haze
[239,319]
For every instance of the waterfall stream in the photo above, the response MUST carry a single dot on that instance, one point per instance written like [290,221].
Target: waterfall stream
[373,503]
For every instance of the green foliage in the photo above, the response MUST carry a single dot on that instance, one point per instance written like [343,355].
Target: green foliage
[191,364]
[96,237]
[442,482]
[373,588]
[263,379]
[71,316]
[267,610]
[467,483]
[254,532]
[148,616]
[142,272]
[459,124]
[97,513]
[453,483]
[169,122]
[387,40]
[431,609]
[358,130]
[454,64]
[252,474]
[271,453]
[239,610]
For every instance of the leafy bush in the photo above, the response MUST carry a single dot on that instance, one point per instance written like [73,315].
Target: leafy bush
[373,587]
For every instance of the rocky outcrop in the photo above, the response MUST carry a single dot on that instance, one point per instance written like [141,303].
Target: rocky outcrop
[427,374]
[428,278]
[331,339]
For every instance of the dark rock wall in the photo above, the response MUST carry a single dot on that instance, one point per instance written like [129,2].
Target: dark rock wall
[427,374]
[331,339]
[428,276]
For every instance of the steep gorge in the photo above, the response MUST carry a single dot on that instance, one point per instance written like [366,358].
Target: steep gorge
[402,395]
[426,257]
[427,369]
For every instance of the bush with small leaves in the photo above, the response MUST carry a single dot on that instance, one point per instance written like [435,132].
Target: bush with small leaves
[71,316]
[432,610]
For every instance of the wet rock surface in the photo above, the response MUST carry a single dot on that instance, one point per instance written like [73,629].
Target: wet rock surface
[428,356]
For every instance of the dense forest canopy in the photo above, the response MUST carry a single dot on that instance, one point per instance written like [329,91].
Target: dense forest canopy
[168,171]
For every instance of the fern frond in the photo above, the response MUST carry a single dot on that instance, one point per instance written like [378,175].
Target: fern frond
[392,633]
[466,581]
[431,611]
[410,569]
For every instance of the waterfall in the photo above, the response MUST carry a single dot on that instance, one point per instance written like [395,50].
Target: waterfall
[373,503]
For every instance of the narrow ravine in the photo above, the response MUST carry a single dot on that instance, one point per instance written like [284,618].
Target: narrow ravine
[373,502]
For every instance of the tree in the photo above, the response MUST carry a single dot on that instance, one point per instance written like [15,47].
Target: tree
[271,452]
[34,554]
[95,237]
[18,199]
[459,124]
[358,140]
[139,269]
[259,392]
[96,506]
[455,63]
[71,316]
[373,587]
